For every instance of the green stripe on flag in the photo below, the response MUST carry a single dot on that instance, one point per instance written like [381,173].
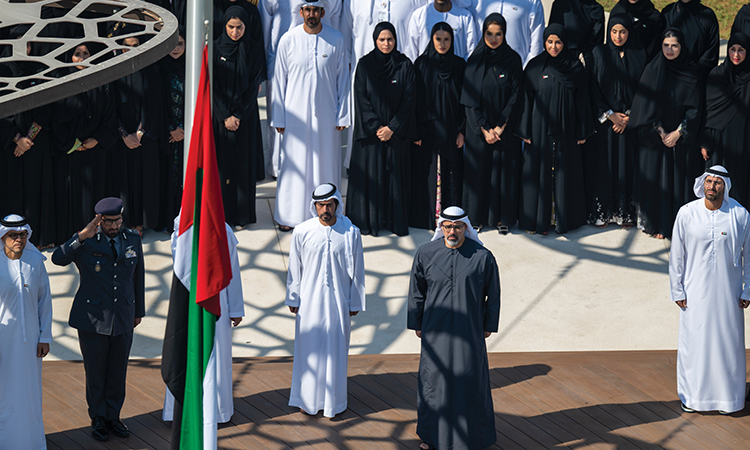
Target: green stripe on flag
[201,330]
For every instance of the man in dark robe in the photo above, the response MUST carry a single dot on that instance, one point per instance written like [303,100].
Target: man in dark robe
[454,305]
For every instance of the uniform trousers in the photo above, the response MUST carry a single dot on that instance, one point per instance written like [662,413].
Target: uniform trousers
[105,361]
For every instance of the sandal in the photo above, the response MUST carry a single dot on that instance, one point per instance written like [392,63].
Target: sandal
[285,229]
[502,229]
[425,446]
[627,225]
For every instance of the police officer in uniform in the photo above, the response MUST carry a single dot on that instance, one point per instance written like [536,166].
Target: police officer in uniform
[108,305]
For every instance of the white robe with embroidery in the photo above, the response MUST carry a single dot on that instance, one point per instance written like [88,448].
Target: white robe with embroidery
[708,264]
[310,93]
[326,280]
[278,17]
[465,34]
[25,321]
[232,305]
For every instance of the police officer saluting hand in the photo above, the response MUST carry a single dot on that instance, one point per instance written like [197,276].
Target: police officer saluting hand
[108,305]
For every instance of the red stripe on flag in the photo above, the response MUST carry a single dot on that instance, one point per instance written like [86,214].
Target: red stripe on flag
[214,266]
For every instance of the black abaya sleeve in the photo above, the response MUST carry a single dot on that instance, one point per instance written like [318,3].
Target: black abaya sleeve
[491,295]
[510,114]
[402,123]
[256,72]
[584,112]
[417,294]
[106,131]
[710,57]
[367,122]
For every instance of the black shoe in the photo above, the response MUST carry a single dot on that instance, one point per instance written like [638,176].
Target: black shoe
[118,428]
[99,429]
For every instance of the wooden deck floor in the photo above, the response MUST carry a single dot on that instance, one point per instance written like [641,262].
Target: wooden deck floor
[597,400]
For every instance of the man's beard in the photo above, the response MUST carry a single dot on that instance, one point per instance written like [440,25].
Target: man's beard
[452,241]
[325,217]
[312,23]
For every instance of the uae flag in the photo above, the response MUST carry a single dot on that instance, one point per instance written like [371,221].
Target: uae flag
[202,269]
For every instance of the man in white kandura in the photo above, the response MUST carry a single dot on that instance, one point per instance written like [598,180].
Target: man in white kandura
[278,17]
[709,262]
[232,311]
[25,335]
[423,19]
[310,93]
[325,286]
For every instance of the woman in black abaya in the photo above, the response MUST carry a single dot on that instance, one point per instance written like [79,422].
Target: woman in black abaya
[172,68]
[583,22]
[384,128]
[609,155]
[84,132]
[726,136]
[440,75]
[493,97]
[557,120]
[135,162]
[647,24]
[238,71]
[26,164]
[666,114]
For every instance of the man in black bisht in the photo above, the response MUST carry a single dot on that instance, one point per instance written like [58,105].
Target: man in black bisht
[454,305]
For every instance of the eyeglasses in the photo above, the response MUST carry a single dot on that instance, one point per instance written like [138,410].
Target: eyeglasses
[110,222]
[452,227]
[17,236]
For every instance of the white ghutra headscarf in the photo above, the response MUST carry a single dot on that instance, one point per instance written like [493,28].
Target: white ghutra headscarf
[455,214]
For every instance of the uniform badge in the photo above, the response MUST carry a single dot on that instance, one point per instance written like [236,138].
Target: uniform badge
[325,55]
[97,268]
[502,75]
[544,77]
[130,253]
[723,233]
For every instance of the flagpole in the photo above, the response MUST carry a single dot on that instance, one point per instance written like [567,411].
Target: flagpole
[199,32]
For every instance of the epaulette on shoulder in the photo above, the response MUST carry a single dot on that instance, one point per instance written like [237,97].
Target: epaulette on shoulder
[131,231]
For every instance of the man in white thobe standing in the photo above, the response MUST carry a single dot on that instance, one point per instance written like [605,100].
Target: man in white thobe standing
[232,311]
[25,334]
[325,286]
[278,17]
[310,93]
[709,263]
[358,21]
[424,18]
[525,19]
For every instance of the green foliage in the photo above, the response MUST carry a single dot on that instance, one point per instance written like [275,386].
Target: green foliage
[725,11]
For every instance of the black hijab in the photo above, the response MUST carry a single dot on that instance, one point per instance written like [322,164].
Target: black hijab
[440,81]
[618,76]
[565,67]
[483,58]
[169,65]
[741,22]
[728,87]
[229,49]
[446,66]
[648,20]
[663,76]
[695,21]
[385,65]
